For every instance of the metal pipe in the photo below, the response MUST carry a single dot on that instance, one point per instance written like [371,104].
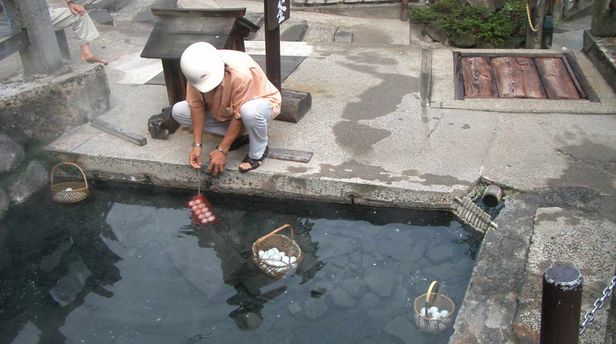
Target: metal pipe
[560,305]
[492,195]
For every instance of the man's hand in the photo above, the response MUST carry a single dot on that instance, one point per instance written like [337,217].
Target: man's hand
[194,158]
[217,162]
[76,8]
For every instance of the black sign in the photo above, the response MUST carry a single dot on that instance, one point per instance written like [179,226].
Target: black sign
[277,12]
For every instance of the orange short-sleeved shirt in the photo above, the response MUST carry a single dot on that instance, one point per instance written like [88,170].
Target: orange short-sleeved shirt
[244,80]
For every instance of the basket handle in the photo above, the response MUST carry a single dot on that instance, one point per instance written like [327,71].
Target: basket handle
[276,231]
[53,169]
[430,296]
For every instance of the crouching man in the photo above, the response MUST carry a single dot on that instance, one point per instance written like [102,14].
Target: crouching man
[227,93]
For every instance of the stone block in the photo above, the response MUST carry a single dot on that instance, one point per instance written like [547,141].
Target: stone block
[342,299]
[315,308]
[11,154]
[43,107]
[33,179]
[603,18]
[404,330]
[381,282]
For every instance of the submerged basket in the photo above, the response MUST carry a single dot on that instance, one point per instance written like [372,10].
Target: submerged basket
[70,191]
[427,300]
[283,244]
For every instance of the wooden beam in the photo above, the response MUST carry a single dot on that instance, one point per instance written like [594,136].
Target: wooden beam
[119,132]
[13,44]
[295,104]
[199,12]
[289,155]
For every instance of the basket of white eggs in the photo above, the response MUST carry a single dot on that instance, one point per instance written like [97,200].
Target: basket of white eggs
[277,254]
[433,311]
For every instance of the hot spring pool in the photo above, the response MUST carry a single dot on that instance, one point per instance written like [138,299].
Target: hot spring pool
[127,266]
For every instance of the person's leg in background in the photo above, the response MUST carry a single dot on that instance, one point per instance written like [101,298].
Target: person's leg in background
[84,28]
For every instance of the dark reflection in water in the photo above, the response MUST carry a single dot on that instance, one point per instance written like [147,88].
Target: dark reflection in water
[126,266]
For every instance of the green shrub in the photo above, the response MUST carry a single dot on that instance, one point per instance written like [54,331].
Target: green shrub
[505,27]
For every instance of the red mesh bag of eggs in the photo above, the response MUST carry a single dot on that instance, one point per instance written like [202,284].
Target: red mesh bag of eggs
[202,211]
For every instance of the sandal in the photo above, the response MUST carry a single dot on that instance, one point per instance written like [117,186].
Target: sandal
[254,163]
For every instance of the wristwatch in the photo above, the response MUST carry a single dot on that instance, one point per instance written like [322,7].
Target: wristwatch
[197,145]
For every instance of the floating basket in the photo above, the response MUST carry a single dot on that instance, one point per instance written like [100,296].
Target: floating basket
[430,299]
[283,244]
[71,191]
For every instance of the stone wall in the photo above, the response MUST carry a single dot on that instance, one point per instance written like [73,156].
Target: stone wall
[35,111]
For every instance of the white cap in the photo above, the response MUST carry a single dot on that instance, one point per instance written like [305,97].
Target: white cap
[202,66]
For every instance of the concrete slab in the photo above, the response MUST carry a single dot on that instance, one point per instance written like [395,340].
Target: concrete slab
[569,236]
[443,95]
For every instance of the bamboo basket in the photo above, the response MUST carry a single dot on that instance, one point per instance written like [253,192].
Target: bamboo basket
[71,191]
[282,243]
[427,300]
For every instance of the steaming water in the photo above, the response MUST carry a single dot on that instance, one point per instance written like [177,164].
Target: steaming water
[127,266]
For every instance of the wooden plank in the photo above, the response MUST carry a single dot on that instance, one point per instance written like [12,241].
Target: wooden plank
[577,84]
[290,155]
[171,35]
[295,104]
[174,80]
[577,71]
[119,132]
[530,78]
[556,79]
[200,12]
[13,44]
[477,77]
[509,78]
[458,79]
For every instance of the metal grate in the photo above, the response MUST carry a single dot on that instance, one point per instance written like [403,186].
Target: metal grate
[469,213]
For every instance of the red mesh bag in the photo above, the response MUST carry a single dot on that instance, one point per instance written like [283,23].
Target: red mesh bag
[202,212]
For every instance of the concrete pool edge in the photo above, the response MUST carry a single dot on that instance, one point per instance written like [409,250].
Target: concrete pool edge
[438,197]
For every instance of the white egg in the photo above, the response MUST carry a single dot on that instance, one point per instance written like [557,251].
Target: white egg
[292,259]
[444,313]
[261,254]
[422,311]
[433,309]
[285,259]
[275,250]
[436,316]
[282,253]
[68,189]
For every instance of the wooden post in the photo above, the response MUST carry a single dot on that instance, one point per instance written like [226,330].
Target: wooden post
[535,16]
[43,54]
[561,302]
[404,10]
[276,12]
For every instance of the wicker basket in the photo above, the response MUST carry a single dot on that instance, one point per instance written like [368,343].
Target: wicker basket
[71,191]
[427,300]
[282,243]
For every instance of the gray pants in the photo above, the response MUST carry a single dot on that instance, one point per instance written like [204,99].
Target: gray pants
[83,26]
[256,116]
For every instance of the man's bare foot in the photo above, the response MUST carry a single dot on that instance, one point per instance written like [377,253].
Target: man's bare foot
[94,59]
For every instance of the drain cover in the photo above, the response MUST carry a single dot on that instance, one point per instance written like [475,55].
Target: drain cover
[548,76]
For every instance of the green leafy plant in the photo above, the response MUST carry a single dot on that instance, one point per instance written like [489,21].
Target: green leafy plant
[505,27]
